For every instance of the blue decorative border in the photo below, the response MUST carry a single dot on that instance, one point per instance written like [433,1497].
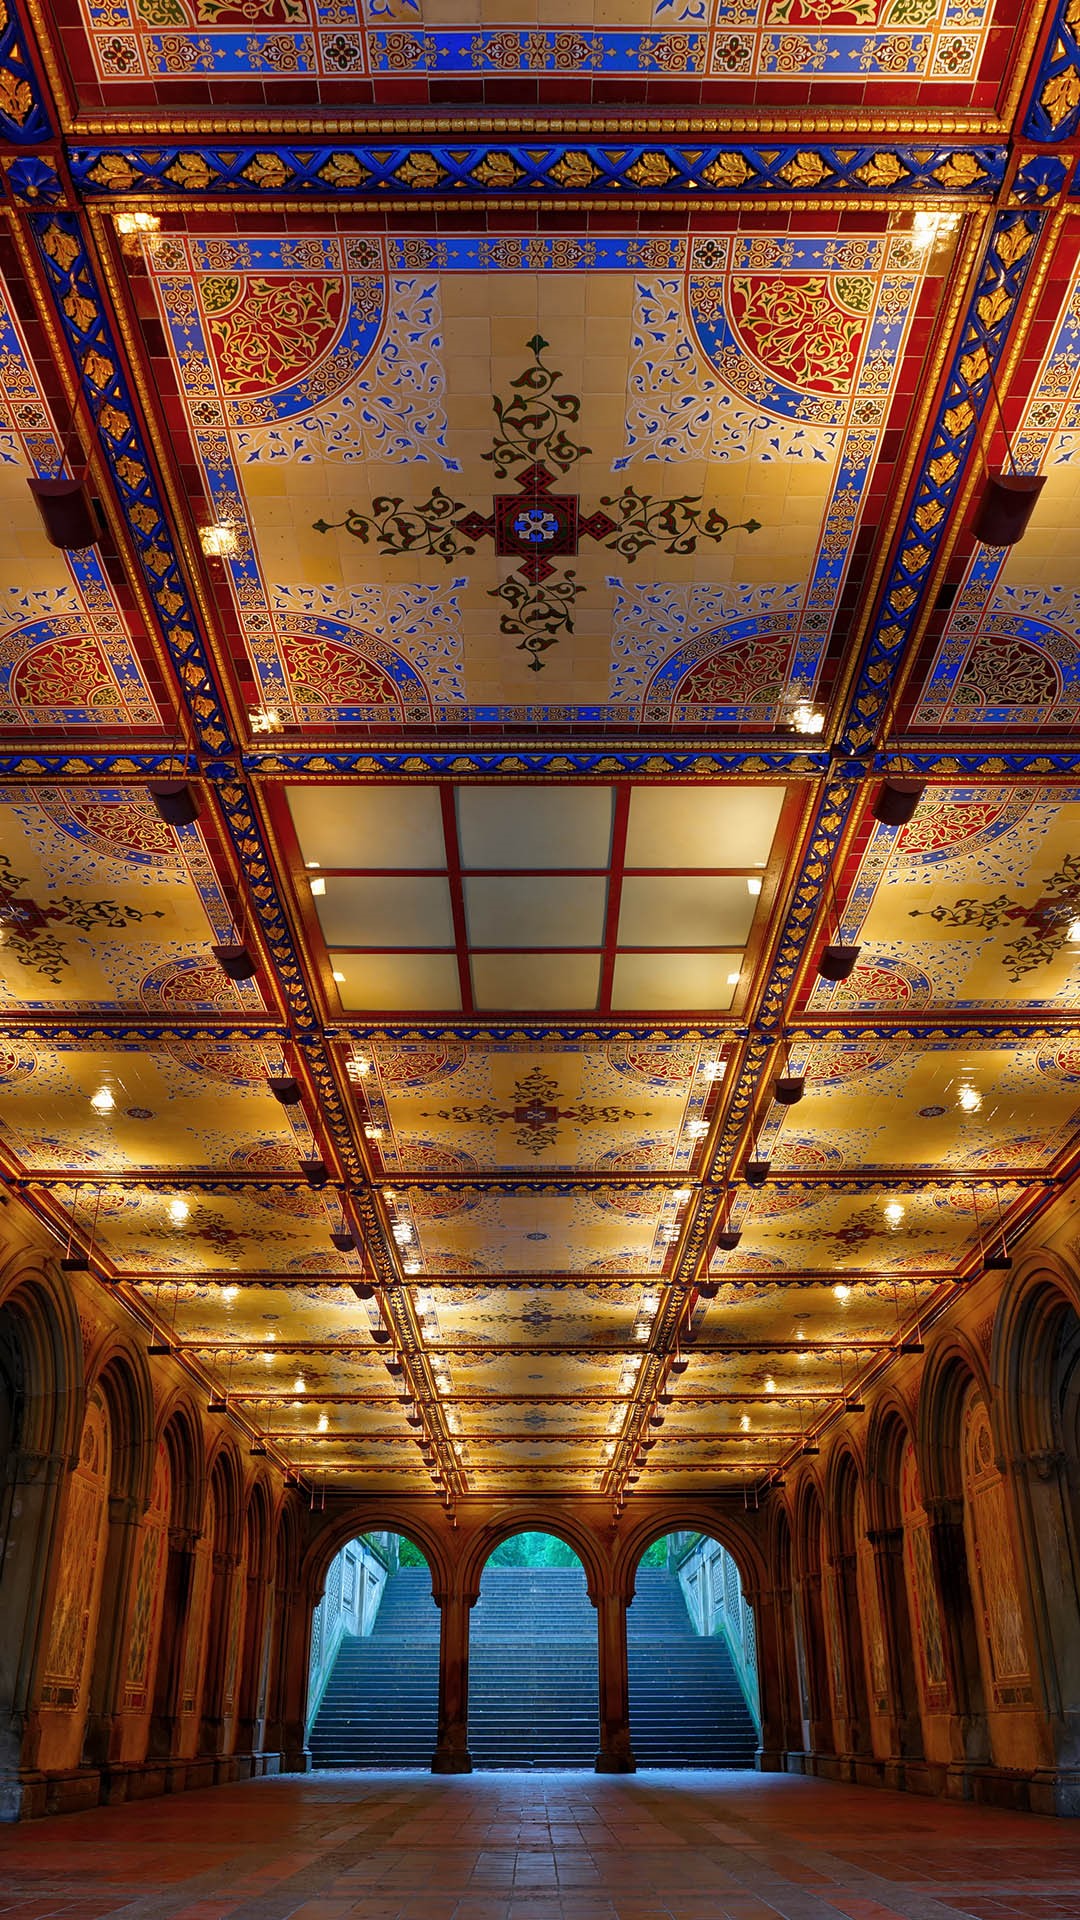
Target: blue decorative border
[1054,110]
[596,170]
[1008,259]
[24,115]
[81,312]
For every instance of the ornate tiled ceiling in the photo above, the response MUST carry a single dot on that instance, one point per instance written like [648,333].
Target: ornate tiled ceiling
[536,454]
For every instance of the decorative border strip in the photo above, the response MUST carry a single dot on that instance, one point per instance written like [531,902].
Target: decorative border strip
[721,170]
[1054,109]
[993,307]
[24,115]
[83,317]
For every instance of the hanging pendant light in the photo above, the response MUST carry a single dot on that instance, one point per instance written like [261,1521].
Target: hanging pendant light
[897,801]
[1005,507]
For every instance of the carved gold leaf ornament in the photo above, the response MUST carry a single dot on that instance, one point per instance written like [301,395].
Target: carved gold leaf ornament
[958,419]
[97,368]
[805,170]
[942,468]
[80,311]
[727,170]
[975,366]
[343,170]
[883,170]
[960,170]
[1014,243]
[652,170]
[420,170]
[1061,96]
[60,246]
[992,307]
[575,170]
[498,170]
[16,98]
[189,170]
[266,170]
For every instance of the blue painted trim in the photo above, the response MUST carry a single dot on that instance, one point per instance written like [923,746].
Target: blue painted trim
[83,317]
[1009,256]
[1054,111]
[25,119]
[598,170]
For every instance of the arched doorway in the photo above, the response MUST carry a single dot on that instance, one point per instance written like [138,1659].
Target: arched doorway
[533,1683]
[692,1657]
[373,1684]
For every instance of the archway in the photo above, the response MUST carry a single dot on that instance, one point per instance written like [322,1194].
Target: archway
[373,1685]
[692,1657]
[533,1679]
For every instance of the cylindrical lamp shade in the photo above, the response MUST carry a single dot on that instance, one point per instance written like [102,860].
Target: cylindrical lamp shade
[67,512]
[1006,506]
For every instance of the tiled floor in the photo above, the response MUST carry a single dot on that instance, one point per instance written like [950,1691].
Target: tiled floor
[659,1846]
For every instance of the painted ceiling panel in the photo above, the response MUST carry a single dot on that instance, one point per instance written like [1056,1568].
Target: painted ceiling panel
[184,1105]
[656,543]
[455,1106]
[105,906]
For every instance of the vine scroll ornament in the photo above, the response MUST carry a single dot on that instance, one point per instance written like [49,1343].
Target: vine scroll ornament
[535,526]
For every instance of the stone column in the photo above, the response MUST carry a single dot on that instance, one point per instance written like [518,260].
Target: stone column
[212,1719]
[615,1754]
[165,1722]
[32,1493]
[904,1719]
[855,1719]
[1049,1581]
[108,1670]
[251,1679]
[294,1655]
[948,1557]
[770,1621]
[452,1740]
[820,1736]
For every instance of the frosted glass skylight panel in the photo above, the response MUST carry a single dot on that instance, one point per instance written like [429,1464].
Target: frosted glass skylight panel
[397,982]
[667,911]
[548,981]
[535,910]
[694,982]
[702,826]
[384,910]
[534,827]
[369,826]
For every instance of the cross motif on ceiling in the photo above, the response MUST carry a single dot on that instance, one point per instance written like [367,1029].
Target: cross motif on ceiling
[533,525]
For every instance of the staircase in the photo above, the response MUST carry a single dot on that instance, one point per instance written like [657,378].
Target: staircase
[532,1670]
[380,1706]
[532,1679]
[687,1707]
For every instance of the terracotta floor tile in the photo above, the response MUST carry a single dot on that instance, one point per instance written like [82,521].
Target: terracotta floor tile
[656,1846]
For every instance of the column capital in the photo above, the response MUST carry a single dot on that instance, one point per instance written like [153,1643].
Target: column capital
[183,1539]
[1044,1463]
[886,1539]
[944,1509]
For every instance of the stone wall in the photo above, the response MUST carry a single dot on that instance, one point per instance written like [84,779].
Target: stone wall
[913,1584]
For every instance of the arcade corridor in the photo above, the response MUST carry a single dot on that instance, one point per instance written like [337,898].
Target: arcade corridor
[517,1847]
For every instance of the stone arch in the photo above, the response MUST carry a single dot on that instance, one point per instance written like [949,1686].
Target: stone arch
[226,1594]
[180,1428]
[257,1617]
[953,1369]
[379,1516]
[952,1365]
[576,1534]
[689,1516]
[780,1552]
[1035,1368]
[889,1433]
[122,1376]
[122,1379]
[850,1599]
[42,1397]
[811,1647]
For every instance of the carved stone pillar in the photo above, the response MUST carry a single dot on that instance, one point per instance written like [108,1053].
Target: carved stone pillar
[904,1720]
[820,1736]
[254,1653]
[33,1483]
[855,1720]
[165,1722]
[101,1738]
[452,1740]
[1048,1570]
[615,1753]
[294,1655]
[212,1719]
[948,1557]
[771,1609]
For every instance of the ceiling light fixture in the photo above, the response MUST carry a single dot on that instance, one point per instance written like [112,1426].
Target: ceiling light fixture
[842,1291]
[236,962]
[318,886]
[265,720]
[176,804]
[969,1098]
[894,1212]
[897,801]
[753,885]
[178,1212]
[136,221]
[103,1101]
[808,719]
